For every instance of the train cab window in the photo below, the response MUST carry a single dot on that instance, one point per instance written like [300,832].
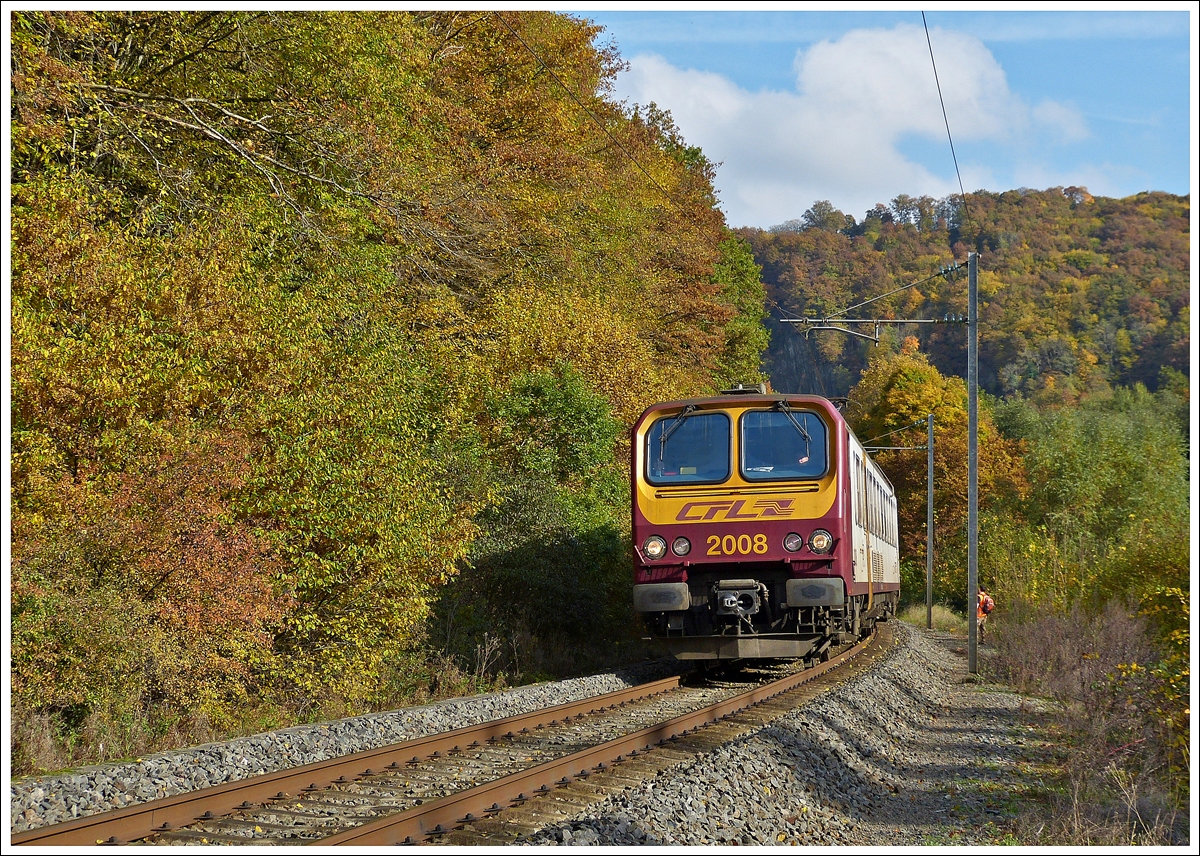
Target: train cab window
[783,445]
[693,449]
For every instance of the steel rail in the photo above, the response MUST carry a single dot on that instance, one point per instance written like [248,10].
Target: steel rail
[138,821]
[438,817]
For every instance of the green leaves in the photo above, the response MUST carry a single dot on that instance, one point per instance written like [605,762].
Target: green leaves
[745,336]
[550,564]
[552,423]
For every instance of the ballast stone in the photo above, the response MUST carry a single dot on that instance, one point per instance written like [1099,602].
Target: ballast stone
[91,790]
[830,766]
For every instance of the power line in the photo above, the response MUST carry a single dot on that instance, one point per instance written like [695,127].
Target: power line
[811,350]
[946,119]
[772,301]
[921,421]
[810,324]
[823,323]
[945,271]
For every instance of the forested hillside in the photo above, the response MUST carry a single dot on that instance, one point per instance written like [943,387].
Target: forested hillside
[1078,293]
[1083,444]
[326,330]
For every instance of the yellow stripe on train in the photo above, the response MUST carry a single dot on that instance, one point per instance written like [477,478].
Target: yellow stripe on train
[729,504]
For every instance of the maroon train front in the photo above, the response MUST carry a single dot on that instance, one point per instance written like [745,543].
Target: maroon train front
[761,528]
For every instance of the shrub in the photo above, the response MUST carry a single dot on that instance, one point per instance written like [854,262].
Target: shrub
[1124,771]
[943,618]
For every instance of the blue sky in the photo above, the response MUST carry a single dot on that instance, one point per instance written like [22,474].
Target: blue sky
[842,105]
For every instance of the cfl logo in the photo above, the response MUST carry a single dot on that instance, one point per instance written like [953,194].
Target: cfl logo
[735,509]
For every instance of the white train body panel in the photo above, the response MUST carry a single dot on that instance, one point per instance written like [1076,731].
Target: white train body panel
[874,521]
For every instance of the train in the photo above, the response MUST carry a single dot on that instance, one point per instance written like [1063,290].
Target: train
[761,528]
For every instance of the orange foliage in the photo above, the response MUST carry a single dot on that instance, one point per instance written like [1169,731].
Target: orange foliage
[899,389]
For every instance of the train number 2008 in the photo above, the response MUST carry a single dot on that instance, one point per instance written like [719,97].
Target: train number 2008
[731,545]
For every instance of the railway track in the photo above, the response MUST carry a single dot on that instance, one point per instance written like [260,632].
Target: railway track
[487,782]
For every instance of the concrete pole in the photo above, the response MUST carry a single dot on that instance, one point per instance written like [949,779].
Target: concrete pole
[972,459]
[929,529]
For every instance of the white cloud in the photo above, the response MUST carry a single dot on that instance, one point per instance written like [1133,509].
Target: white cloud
[837,136]
[883,79]
[1063,118]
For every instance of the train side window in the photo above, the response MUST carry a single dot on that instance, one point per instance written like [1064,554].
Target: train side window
[696,450]
[862,494]
[867,500]
[870,527]
[880,513]
[871,512]
[858,489]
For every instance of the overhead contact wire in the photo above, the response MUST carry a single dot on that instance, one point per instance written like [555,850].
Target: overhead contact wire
[942,272]
[946,119]
[897,431]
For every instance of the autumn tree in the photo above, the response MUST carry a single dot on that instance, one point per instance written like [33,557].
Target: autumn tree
[273,277]
[1077,293]
[896,393]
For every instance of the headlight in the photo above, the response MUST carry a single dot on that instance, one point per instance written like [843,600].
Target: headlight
[793,542]
[820,541]
[681,546]
[654,548]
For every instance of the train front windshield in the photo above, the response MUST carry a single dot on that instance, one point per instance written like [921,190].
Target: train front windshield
[689,450]
[779,445]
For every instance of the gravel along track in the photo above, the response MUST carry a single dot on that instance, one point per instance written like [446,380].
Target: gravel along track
[909,752]
[904,752]
[44,800]
[345,806]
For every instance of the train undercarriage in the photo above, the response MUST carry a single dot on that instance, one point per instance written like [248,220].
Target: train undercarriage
[770,617]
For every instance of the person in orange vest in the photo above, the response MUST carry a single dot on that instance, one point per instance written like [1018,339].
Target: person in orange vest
[983,610]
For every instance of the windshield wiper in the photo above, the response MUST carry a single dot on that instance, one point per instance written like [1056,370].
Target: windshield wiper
[670,429]
[782,406]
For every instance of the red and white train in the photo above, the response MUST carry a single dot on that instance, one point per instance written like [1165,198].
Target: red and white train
[761,527]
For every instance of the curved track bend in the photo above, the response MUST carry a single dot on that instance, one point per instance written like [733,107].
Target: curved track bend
[459,786]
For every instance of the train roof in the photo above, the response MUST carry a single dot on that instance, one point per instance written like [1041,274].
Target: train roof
[738,398]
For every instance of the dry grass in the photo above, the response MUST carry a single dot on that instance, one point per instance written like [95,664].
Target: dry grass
[1119,782]
[944,618]
[48,742]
